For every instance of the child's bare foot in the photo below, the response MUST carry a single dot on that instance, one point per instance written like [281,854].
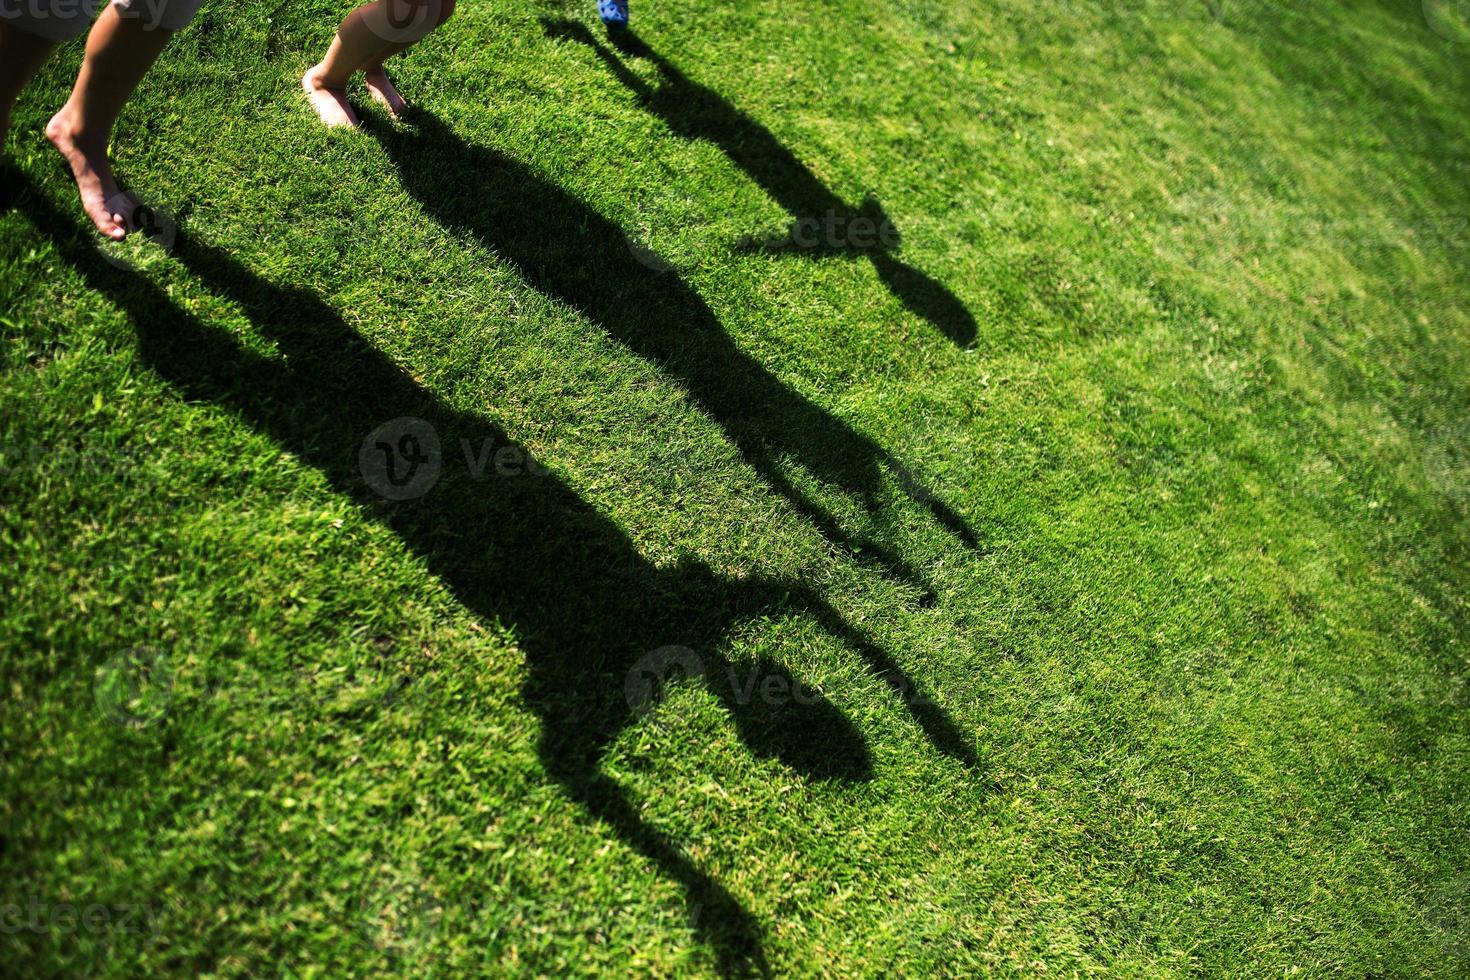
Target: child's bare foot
[93,173]
[382,90]
[330,103]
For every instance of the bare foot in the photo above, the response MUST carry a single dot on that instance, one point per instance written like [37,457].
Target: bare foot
[382,90]
[101,199]
[330,103]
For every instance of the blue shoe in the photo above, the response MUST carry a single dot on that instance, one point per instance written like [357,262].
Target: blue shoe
[614,13]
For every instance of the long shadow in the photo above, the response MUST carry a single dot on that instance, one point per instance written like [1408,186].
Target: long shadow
[567,250]
[823,225]
[593,618]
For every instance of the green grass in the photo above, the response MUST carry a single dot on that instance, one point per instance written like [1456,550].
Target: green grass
[1113,526]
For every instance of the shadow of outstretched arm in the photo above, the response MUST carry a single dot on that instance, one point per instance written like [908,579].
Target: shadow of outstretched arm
[823,225]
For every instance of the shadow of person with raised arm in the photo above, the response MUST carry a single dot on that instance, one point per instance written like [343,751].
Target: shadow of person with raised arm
[599,626]
[567,250]
[823,225]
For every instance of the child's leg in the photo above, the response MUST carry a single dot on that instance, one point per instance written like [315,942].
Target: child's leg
[365,35]
[21,55]
[120,50]
[378,85]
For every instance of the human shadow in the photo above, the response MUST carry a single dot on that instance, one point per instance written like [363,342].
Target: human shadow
[567,250]
[600,627]
[823,225]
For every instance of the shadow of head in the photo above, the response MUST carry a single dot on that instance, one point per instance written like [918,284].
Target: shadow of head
[777,715]
[783,718]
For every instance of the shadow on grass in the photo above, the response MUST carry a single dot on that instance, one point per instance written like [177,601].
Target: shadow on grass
[823,225]
[567,250]
[586,608]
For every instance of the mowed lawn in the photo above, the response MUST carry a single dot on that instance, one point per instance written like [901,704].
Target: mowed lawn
[1072,581]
